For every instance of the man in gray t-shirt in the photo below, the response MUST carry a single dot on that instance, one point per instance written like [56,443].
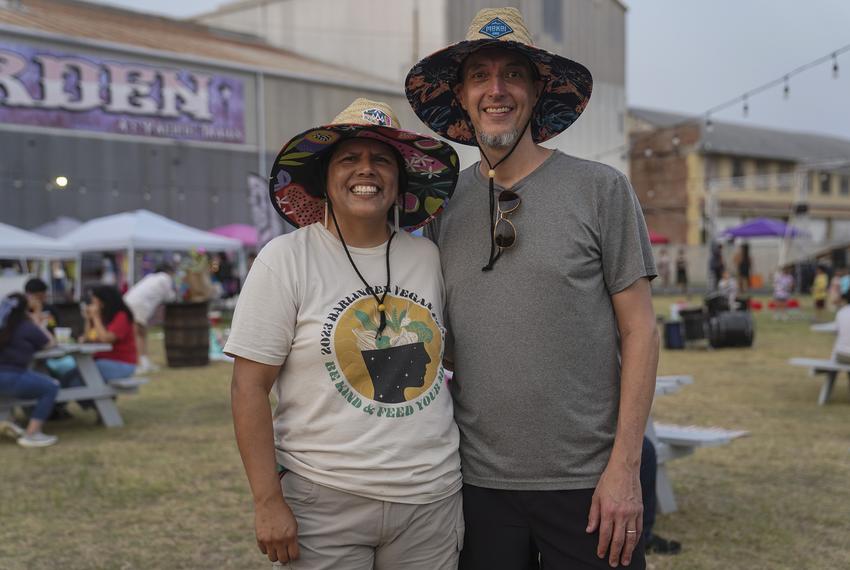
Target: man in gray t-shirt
[553,340]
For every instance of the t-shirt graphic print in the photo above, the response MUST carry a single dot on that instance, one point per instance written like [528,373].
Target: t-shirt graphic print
[396,367]
[358,411]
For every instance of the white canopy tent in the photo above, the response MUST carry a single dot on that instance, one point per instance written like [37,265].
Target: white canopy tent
[19,244]
[58,227]
[142,230]
[16,243]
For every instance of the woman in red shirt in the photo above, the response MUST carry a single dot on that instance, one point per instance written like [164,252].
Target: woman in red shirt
[109,320]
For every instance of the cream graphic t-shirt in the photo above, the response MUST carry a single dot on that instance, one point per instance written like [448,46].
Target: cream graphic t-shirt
[364,414]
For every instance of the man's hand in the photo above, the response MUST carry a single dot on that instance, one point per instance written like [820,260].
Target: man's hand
[277,531]
[616,510]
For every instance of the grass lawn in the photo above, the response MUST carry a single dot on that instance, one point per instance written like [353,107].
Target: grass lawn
[167,491]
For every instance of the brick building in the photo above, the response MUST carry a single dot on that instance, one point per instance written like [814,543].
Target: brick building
[687,174]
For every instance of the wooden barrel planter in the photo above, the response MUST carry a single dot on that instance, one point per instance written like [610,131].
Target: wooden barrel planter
[187,334]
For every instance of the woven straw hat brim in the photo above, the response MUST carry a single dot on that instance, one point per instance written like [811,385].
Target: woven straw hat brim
[429,88]
[432,168]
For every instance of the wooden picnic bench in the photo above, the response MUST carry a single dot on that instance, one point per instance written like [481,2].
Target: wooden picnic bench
[674,441]
[828,368]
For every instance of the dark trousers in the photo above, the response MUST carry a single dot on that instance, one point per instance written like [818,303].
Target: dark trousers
[648,471]
[505,530]
[26,384]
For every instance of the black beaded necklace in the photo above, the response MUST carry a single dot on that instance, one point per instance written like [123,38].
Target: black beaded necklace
[380,301]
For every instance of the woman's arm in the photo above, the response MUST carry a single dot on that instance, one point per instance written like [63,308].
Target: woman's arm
[51,341]
[275,525]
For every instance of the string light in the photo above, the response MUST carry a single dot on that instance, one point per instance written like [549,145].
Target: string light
[61,181]
[784,80]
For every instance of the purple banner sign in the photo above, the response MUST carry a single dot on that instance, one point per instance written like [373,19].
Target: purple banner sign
[49,89]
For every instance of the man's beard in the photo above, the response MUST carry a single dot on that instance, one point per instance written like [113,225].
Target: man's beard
[502,140]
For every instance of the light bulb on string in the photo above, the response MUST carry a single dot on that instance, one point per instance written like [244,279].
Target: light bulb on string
[834,66]
[709,124]
[746,108]
[786,91]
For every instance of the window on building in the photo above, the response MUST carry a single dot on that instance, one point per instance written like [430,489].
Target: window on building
[737,173]
[825,183]
[845,186]
[553,20]
[786,176]
[763,181]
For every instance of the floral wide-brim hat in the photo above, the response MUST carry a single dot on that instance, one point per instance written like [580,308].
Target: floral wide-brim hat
[429,85]
[431,166]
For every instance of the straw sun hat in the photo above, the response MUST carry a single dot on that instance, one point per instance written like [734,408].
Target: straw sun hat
[429,85]
[296,184]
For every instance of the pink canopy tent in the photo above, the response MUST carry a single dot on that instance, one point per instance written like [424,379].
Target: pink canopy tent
[243,232]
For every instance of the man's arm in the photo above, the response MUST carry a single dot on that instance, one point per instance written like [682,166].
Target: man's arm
[617,505]
[275,525]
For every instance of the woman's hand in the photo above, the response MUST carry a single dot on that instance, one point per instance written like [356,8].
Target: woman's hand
[277,531]
[92,311]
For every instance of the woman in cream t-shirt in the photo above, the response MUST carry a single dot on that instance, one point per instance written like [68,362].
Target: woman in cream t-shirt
[356,466]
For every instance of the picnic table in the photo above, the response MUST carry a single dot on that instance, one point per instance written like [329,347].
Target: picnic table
[825,367]
[830,327]
[94,388]
[674,441]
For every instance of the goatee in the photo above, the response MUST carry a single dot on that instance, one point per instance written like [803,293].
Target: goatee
[502,140]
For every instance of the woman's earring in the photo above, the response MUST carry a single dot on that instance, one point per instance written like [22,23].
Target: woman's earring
[326,213]
[396,217]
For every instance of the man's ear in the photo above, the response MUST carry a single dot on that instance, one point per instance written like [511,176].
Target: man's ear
[458,91]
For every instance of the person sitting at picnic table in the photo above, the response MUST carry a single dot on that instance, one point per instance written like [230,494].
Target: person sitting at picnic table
[143,298]
[36,293]
[108,320]
[20,338]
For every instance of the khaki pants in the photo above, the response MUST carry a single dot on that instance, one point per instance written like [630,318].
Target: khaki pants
[341,531]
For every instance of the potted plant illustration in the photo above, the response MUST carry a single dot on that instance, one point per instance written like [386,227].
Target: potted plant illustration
[398,358]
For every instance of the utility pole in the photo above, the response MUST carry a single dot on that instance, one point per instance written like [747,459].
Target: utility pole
[415,35]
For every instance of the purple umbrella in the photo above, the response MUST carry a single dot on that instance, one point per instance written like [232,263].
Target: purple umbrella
[762,227]
[243,232]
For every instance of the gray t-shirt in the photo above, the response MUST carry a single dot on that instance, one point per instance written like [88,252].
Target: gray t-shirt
[535,341]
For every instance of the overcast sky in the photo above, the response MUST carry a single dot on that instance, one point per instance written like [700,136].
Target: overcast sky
[690,55]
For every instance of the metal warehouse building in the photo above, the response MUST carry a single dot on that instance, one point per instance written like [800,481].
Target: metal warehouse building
[139,111]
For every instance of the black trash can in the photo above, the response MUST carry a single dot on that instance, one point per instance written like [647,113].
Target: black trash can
[674,335]
[694,323]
